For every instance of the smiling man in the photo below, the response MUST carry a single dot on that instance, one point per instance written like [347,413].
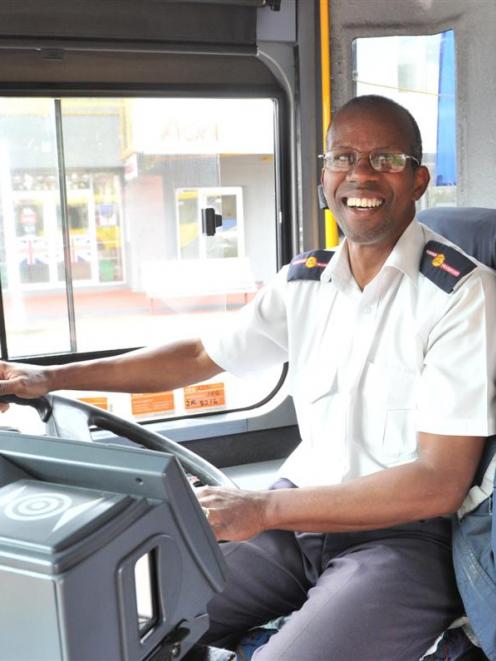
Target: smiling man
[392,366]
[372,179]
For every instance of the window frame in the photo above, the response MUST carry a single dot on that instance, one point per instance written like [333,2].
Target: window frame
[283,207]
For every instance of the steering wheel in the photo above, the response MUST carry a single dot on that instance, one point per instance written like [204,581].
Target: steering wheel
[72,419]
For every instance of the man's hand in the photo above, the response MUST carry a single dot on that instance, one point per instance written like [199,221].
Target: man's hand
[233,514]
[26,381]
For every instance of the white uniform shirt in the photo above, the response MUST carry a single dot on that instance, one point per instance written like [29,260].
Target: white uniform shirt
[369,369]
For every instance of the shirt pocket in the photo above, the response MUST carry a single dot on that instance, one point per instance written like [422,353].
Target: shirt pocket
[400,433]
[389,412]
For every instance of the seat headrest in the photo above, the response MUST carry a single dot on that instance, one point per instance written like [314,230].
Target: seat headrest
[473,229]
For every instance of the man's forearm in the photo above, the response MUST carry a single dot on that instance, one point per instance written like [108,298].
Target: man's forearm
[390,497]
[144,370]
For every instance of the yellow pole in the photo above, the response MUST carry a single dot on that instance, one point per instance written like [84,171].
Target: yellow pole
[331,228]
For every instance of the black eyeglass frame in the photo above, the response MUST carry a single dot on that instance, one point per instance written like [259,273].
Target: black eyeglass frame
[370,156]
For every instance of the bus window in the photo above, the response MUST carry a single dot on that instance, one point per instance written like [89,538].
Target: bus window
[102,243]
[419,73]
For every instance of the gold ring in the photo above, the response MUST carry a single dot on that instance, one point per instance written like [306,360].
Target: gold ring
[206,511]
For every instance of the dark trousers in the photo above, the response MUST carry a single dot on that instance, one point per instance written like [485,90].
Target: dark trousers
[380,595]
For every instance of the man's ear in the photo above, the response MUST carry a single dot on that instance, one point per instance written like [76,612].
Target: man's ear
[320,191]
[422,178]
[322,199]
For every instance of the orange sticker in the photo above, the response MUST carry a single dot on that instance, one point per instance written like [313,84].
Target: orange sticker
[101,402]
[204,396]
[152,402]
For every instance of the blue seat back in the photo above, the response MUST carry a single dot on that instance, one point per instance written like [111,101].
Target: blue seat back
[471,228]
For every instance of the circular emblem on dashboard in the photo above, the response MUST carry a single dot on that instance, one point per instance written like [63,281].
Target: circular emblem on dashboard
[39,506]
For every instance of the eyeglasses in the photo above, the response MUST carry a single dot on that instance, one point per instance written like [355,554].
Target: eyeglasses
[343,160]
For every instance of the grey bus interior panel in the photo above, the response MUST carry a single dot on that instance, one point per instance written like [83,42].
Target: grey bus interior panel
[27,67]
[124,41]
[115,21]
[476,128]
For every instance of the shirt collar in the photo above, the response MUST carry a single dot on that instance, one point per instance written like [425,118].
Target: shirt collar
[339,267]
[406,254]
[404,257]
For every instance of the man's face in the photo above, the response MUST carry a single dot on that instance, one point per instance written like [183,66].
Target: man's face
[373,207]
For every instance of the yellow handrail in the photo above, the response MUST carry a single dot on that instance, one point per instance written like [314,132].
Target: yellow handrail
[330,226]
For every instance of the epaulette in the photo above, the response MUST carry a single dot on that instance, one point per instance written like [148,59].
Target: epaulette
[309,265]
[444,265]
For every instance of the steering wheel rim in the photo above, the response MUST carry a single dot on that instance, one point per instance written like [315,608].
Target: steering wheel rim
[72,419]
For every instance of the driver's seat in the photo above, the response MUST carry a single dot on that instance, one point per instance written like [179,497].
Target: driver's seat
[473,229]
[474,529]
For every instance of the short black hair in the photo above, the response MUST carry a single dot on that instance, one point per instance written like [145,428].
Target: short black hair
[374,101]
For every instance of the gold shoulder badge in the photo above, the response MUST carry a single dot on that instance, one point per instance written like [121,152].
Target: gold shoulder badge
[311,262]
[438,260]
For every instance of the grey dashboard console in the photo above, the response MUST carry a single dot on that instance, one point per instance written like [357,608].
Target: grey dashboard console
[104,553]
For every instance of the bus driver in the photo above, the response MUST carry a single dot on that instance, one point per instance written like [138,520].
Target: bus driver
[391,365]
